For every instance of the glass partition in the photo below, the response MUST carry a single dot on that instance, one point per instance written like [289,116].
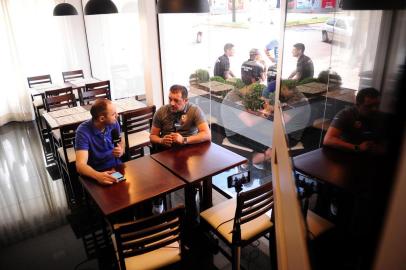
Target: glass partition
[235,110]
[114,42]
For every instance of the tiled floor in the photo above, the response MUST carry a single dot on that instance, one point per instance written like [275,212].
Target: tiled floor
[49,242]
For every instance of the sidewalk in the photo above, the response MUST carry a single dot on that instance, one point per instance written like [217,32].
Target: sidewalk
[292,19]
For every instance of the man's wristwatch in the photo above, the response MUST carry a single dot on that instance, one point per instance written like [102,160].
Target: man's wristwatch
[184,140]
[356,148]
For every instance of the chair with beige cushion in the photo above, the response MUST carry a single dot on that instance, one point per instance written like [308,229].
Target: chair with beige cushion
[150,243]
[67,162]
[136,126]
[238,222]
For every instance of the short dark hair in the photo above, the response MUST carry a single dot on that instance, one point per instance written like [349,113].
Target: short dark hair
[228,46]
[366,92]
[176,88]
[300,46]
[99,108]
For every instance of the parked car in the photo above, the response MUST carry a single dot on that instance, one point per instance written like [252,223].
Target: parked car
[337,29]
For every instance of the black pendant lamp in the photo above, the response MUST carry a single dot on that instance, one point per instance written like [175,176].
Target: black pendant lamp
[97,7]
[65,9]
[183,6]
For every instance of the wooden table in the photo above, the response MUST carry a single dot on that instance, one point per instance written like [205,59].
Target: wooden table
[146,179]
[198,163]
[346,170]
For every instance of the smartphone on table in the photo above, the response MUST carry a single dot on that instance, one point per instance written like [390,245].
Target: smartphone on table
[119,177]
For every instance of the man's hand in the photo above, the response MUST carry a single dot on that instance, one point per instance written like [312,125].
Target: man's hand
[118,151]
[105,178]
[177,138]
[167,140]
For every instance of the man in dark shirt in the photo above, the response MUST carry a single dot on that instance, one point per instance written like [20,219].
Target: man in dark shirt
[253,70]
[357,128]
[304,66]
[222,66]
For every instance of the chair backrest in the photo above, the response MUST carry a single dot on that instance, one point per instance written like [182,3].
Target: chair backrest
[59,99]
[252,204]
[72,75]
[148,234]
[68,133]
[94,91]
[39,80]
[138,120]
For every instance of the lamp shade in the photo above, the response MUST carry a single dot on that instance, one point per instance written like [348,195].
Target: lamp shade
[65,9]
[97,7]
[183,6]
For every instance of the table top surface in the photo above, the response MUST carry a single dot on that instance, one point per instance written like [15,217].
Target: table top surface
[80,83]
[195,162]
[67,116]
[348,171]
[145,179]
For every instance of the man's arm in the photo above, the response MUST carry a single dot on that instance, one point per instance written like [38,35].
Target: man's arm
[333,139]
[228,74]
[203,135]
[293,74]
[84,169]
[155,139]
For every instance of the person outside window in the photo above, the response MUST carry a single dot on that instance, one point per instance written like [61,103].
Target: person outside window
[304,67]
[96,154]
[253,70]
[222,65]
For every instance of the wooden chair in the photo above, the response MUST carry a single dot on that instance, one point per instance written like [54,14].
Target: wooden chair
[72,75]
[94,91]
[59,99]
[152,242]
[238,222]
[67,162]
[56,100]
[38,102]
[43,79]
[136,125]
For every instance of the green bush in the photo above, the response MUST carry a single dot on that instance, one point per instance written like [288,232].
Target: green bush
[202,75]
[289,83]
[252,99]
[307,80]
[327,76]
[236,82]
[218,79]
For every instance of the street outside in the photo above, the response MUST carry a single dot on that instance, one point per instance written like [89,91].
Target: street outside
[217,30]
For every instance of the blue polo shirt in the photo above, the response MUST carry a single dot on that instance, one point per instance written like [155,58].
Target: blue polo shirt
[98,144]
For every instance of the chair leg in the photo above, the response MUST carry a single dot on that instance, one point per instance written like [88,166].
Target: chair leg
[272,250]
[236,258]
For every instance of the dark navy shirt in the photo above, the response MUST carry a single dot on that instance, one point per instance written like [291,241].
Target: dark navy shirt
[222,65]
[98,144]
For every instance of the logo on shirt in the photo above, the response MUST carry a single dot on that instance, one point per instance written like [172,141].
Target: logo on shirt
[183,119]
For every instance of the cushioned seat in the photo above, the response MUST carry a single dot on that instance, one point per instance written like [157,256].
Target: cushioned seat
[37,102]
[238,222]
[225,211]
[138,139]
[70,153]
[316,224]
